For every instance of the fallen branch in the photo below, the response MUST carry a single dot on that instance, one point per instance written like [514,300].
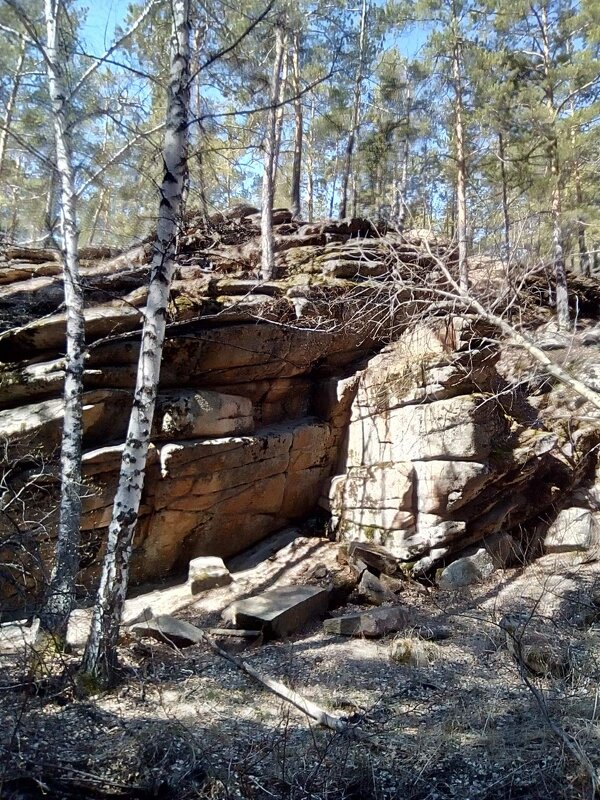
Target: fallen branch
[309,708]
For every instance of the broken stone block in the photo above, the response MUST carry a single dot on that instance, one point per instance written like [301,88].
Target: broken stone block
[573,529]
[372,624]
[279,612]
[164,628]
[373,590]
[374,555]
[207,572]
[467,570]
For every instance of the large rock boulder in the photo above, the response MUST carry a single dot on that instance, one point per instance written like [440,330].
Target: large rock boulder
[434,460]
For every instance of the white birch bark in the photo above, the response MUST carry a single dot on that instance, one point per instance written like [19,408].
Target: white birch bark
[61,590]
[267,270]
[100,653]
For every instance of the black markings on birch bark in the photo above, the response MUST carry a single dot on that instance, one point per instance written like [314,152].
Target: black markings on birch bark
[100,654]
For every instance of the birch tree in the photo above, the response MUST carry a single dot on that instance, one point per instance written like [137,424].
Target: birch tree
[100,654]
[59,598]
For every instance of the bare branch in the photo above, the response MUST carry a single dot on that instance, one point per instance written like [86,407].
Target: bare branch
[241,37]
[114,159]
[102,59]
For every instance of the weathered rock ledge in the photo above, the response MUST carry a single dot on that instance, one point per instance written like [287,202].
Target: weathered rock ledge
[315,389]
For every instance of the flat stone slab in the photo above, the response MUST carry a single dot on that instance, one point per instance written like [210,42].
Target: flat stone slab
[279,612]
[372,624]
[207,572]
[164,628]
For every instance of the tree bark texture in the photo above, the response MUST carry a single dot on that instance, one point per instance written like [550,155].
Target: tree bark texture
[60,594]
[268,187]
[100,653]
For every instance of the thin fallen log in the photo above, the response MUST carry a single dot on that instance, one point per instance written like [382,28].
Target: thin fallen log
[309,708]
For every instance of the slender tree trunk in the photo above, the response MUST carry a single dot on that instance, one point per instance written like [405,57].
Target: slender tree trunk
[461,168]
[310,166]
[584,256]
[196,64]
[505,212]
[14,217]
[354,195]
[295,200]
[97,213]
[334,185]
[268,188]
[60,594]
[49,215]
[354,124]
[10,104]
[280,112]
[400,207]
[100,654]
[560,272]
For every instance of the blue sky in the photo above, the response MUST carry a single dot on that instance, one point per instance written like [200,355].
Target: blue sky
[102,17]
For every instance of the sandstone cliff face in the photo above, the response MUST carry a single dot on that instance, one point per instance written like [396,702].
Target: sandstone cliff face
[438,455]
[313,389]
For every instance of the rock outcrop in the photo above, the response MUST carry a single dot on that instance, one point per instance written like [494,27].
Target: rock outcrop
[316,388]
[438,454]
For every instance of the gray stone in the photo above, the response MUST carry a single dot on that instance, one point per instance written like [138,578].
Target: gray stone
[373,590]
[279,612]
[467,570]
[164,628]
[372,624]
[573,529]
[207,572]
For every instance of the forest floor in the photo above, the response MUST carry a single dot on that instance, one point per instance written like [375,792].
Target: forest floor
[458,718]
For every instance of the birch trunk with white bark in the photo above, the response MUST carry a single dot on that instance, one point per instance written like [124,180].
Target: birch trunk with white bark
[60,594]
[100,654]
[267,269]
